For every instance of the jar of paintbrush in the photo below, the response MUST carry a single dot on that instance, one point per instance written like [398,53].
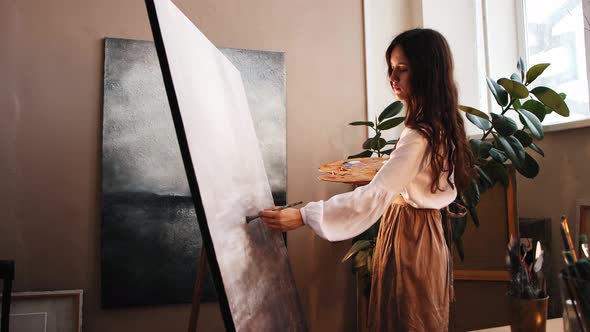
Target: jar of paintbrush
[574,283]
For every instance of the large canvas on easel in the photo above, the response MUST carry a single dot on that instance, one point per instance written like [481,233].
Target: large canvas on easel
[150,240]
[226,175]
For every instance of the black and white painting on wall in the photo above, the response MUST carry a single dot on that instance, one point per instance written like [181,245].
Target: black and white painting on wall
[150,239]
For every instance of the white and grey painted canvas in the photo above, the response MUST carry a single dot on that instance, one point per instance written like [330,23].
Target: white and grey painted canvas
[150,238]
[226,175]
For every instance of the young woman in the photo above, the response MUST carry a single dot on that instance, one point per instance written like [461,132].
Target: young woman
[412,278]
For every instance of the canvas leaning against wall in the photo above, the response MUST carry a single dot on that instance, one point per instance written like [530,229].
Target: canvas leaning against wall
[150,239]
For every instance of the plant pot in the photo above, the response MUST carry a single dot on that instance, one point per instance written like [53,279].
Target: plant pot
[528,315]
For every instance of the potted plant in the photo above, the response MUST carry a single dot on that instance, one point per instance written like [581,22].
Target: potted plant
[527,289]
[503,141]
[385,121]
[504,147]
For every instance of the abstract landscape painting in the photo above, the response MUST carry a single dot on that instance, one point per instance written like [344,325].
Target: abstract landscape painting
[150,239]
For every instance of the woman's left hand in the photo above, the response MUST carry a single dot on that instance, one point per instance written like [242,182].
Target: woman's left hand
[283,220]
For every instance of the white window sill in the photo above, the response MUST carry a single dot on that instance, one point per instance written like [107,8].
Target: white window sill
[568,125]
[583,123]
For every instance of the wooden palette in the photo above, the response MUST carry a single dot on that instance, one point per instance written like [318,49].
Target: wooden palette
[355,170]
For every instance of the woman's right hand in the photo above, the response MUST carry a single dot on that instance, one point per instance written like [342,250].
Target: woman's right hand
[283,220]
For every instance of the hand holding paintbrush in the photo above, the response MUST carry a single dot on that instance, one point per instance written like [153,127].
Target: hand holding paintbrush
[282,219]
[277,208]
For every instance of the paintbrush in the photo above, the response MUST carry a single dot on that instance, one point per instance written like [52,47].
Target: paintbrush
[278,208]
[567,238]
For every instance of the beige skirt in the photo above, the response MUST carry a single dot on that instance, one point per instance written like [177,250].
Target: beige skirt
[411,283]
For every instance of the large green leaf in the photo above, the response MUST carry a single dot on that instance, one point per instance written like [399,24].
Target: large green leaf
[480,122]
[498,155]
[392,110]
[473,111]
[368,143]
[498,91]
[480,148]
[533,123]
[356,247]
[470,197]
[523,138]
[520,66]
[501,173]
[471,194]
[496,171]
[473,213]
[378,143]
[390,123]
[530,167]
[514,88]
[535,71]
[537,149]
[504,125]
[483,176]
[363,123]
[459,243]
[534,107]
[364,154]
[548,110]
[514,150]
[552,99]
[360,259]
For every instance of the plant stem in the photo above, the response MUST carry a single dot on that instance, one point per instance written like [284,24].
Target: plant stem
[509,105]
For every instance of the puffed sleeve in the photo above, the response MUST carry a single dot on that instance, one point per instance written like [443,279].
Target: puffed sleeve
[347,215]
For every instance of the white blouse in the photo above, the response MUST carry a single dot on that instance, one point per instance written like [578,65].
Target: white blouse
[407,172]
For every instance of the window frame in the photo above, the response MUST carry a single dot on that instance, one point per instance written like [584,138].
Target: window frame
[521,37]
[387,12]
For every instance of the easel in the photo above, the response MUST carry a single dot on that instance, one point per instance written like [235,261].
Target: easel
[198,290]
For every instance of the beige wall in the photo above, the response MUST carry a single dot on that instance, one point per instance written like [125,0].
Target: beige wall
[564,177]
[51,63]
[50,123]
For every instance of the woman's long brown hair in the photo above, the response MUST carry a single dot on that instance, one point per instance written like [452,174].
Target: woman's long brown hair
[432,107]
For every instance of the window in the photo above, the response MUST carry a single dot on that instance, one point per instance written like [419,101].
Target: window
[487,41]
[554,33]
